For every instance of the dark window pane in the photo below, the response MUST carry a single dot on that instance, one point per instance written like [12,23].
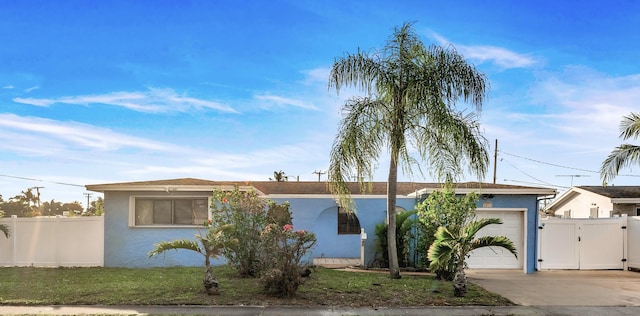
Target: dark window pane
[162,212]
[183,213]
[201,209]
[144,212]
[348,223]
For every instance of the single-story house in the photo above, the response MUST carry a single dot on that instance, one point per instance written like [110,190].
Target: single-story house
[140,214]
[597,202]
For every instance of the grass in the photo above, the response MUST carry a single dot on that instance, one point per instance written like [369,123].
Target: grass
[183,286]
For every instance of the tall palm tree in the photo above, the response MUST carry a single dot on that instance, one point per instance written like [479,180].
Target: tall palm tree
[626,154]
[457,244]
[411,95]
[212,245]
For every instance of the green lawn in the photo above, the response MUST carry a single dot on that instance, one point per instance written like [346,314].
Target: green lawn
[170,286]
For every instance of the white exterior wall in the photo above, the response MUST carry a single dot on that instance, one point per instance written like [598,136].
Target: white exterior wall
[53,242]
[580,206]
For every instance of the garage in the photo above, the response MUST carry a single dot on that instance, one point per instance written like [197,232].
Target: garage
[513,227]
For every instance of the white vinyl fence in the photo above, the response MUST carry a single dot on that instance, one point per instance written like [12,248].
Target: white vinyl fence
[53,242]
[589,244]
[633,234]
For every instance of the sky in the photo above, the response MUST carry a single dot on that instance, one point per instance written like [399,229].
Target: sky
[98,92]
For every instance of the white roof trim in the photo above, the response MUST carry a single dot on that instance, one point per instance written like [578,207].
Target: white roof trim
[500,191]
[166,188]
[316,196]
[625,200]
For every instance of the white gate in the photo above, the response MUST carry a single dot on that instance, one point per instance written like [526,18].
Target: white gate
[633,235]
[585,244]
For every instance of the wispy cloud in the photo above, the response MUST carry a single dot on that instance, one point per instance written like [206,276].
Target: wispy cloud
[31,89]
[8,87]
[278,101]
[151,101]
[573,113]
[500,56]
[45,133]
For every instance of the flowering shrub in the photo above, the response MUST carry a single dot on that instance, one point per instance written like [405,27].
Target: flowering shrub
[246,212]
[283,250]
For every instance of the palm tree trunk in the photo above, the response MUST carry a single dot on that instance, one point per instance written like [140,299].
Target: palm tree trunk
[394,268]
[210,282]
[460,280]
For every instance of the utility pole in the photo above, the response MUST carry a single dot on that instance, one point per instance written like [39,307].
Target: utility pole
[319,173]
[88,195]
[495,162]
[38,195]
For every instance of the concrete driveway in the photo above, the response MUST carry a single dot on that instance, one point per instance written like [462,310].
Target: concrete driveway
[562,287]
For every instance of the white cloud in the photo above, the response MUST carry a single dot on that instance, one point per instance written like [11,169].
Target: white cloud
[31,89]
[571,119]
[317,75]
[8,87]
[273,100]
[152,101]
[37,134]
[500,56]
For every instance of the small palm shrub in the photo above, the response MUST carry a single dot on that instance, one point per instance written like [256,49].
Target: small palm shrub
[210,245]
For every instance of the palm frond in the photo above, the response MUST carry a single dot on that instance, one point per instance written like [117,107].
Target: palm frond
[187,244]
[630,126]
[439,254]
[355,151]
[354,70]
[472,228]
[5,229]
[622,156]
[494,241]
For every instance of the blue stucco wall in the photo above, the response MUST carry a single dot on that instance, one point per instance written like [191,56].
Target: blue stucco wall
[128,246]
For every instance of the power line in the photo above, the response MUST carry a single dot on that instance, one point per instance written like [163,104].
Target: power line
[561,166]
[528,175]
[40,180]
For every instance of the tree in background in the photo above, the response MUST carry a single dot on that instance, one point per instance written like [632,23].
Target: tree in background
[279,176]
[624,155]
[411,93]
[96,208]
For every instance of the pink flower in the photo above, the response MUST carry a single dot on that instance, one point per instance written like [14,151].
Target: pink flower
[224,200]
[287,227]
[301,232]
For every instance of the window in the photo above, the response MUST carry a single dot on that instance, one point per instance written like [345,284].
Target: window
[347,223]
[179,211]
[637,211]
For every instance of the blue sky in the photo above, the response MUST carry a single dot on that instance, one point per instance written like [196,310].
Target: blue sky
[114,91]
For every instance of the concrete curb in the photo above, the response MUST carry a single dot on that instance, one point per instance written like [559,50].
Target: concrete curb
[319,310]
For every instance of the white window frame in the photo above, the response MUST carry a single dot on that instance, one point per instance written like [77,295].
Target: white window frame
[132,209]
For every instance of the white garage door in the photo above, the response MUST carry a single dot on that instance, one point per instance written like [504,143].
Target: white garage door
[498,257]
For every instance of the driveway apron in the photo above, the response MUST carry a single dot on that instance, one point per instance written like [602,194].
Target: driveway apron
[562,287]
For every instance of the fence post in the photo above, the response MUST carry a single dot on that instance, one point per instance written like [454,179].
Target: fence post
[625,242]
[14,240]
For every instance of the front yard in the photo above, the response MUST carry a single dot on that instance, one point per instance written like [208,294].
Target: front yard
[183,286]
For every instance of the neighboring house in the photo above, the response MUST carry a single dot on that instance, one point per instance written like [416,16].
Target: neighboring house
[139,214]
[596,202]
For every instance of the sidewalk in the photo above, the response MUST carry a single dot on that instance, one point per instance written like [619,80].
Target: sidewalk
[313,311]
